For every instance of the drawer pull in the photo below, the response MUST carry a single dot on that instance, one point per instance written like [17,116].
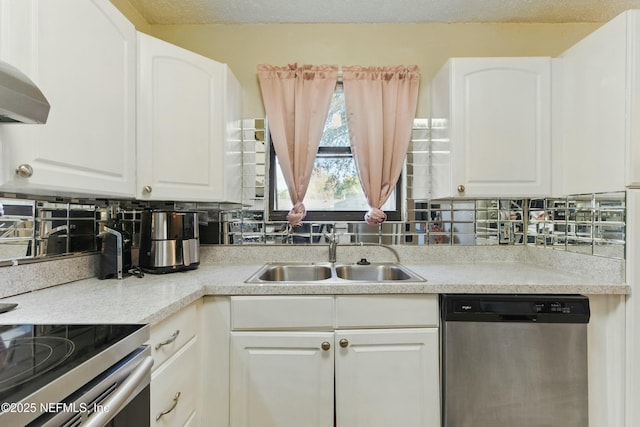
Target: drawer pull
[326,346]
[168,341]
[344,343]
[173,406]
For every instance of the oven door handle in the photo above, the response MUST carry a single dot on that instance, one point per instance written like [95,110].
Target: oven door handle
[114,403]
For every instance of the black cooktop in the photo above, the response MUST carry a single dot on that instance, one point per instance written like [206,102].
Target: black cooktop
[33,356]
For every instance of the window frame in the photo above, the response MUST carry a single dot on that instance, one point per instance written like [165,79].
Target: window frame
[334,215]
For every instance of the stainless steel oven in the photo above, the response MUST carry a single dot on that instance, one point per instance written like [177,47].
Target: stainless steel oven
[74,375]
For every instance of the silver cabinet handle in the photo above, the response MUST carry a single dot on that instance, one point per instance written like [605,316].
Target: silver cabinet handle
[326,346]
[113,404]
[344,343]
[461,189]
[168,341]
[147,189]
[24,170]
[173,406]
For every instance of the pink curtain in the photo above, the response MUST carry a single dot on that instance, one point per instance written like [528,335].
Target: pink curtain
[296,100]
[381,104]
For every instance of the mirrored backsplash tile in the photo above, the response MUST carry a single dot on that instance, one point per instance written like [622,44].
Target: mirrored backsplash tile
[592,224]
[17,227]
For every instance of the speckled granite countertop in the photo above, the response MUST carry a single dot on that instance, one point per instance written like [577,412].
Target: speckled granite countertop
[223,272]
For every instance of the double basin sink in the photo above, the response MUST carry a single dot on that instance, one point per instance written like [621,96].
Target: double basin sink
[333,272]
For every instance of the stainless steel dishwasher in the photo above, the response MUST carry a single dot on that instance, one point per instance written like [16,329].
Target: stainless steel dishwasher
[514,360]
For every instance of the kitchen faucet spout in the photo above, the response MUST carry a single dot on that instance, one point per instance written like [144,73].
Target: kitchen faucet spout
[333,245]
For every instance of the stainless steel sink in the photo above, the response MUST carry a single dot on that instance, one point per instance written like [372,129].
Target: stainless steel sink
[333,273]
[292,273]
[375,272]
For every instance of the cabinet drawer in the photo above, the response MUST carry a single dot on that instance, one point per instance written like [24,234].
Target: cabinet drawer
[168,336]
[386,311]
[281,312]
[175,385]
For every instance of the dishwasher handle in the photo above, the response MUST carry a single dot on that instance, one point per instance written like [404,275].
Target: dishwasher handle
[517,318]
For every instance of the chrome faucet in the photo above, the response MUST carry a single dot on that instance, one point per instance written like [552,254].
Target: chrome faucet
[333,245]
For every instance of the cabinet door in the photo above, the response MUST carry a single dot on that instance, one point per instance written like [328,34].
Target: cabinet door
[592,112]
[633,100]
[82,55]
[281,379]
[495,114]
[180,134]
[387,378]
[229,168]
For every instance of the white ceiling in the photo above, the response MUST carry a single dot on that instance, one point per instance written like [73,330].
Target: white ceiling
[378,11]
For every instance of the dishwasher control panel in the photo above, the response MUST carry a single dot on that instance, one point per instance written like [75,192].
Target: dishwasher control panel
[563,307]
[532,308]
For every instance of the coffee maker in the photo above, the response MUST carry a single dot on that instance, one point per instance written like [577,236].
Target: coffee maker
[169,241]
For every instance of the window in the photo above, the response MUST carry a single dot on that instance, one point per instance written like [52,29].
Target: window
[334,192]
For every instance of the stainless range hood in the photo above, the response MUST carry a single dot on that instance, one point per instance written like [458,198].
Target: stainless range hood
[20,99]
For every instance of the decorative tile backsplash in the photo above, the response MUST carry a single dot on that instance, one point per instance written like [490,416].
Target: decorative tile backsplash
[590,224]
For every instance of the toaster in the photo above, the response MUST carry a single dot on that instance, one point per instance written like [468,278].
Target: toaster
[169,241]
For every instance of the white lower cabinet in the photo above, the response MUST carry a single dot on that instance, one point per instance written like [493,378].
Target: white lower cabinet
[281,379]
[363,376]
[192,421]
[387,378]
[175,378]
[174,389]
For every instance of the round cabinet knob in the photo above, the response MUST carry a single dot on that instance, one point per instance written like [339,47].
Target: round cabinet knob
[326,346]
[24,170]
[147,189]
[461,188]
[344,343]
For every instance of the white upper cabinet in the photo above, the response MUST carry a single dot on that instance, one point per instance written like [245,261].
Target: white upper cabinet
[189,127]
[596,124]
[82,55]
[491,127]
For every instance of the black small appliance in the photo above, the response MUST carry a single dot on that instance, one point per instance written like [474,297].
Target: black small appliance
[115,253]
